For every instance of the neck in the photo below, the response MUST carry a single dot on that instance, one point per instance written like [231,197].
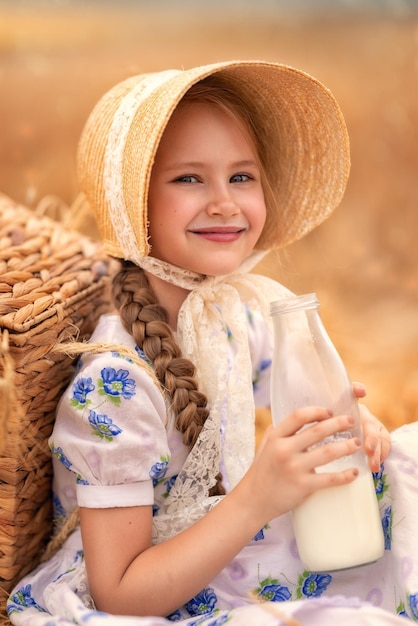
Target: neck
[172,284]
[170,296]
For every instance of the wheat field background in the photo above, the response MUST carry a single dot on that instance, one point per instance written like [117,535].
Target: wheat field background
[58,58]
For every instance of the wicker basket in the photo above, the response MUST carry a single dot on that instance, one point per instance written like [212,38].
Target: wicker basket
[52,289]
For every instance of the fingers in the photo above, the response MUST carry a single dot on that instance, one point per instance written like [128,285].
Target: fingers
[319,431]
[330,452]
[300,418]
[290,458]
[320,422]
[377,447]
[359,390]
[328,465]
[303,444]
[377,440]
[323,480]
[372,447]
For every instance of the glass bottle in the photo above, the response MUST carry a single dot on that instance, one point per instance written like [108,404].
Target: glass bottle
[337,527]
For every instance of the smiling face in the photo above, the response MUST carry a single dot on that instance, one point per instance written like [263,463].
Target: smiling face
[206,204]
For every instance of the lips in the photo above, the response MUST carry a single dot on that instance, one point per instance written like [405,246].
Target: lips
[220,234]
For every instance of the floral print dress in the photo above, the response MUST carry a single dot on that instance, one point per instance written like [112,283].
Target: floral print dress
[115,444]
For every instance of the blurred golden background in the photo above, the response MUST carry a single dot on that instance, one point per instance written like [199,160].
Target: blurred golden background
[57,59]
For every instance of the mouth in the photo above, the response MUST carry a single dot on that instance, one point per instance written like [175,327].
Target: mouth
[220,234]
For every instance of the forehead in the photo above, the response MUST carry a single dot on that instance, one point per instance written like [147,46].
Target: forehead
[198,125]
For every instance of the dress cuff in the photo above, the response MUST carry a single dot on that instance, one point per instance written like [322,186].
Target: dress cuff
[109,496]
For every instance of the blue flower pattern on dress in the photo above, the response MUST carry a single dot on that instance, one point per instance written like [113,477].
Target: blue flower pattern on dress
[143,356]
[271,590]
[116,385]
[78,558]
[59,511]
[387,527]
[203,602]
[260,535]
[22,599]
[139,352]
[103,426]
[219,619]
[59,454]
[413,605]
[81,481]
[309,585]
[158,471]
[168,484]
[175,616]
[313,585]
[400,610]
[81,388]
[380,485]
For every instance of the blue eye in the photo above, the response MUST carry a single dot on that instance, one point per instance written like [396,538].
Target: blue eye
[186,179]
[240,178]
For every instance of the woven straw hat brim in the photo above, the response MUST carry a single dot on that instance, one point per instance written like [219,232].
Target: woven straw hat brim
[298,122]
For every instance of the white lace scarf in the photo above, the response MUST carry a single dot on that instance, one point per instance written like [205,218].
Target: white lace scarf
[213,309]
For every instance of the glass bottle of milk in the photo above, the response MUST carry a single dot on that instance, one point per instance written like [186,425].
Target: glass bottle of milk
[337,527]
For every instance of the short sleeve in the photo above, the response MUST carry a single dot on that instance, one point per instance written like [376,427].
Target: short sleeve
[110,432]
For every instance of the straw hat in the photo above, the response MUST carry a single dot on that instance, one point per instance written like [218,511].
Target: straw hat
[298,123]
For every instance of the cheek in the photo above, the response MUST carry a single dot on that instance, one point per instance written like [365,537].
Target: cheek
[162,231]
[260,217]
[259,223]
[155,228]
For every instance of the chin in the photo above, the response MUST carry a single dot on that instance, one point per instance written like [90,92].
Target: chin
[223,267]
[222,270]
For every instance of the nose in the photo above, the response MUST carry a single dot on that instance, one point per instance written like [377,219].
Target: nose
[223,205]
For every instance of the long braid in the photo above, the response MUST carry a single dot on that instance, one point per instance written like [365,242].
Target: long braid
[146,321]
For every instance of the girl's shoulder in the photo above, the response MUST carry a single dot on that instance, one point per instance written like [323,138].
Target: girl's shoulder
[112,355]
[111,339]
[110,329]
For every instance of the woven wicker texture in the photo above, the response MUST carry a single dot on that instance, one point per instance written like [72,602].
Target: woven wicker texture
[52,289]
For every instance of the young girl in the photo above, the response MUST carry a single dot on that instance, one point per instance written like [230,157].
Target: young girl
[193,175]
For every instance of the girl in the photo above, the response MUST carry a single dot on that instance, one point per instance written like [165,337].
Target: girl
[193,175]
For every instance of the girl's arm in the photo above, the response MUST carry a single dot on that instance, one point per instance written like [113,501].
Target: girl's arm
[128,575]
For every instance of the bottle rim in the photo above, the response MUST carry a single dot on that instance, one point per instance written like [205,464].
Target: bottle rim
[294,303]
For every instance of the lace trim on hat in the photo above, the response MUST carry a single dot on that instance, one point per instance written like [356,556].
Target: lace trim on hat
[114,154]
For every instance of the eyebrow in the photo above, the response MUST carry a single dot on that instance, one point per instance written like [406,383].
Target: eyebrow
[197,164]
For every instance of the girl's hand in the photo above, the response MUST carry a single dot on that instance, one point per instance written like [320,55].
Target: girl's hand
[377,440]
[283,473]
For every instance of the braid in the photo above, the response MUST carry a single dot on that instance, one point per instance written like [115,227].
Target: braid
[146,320]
